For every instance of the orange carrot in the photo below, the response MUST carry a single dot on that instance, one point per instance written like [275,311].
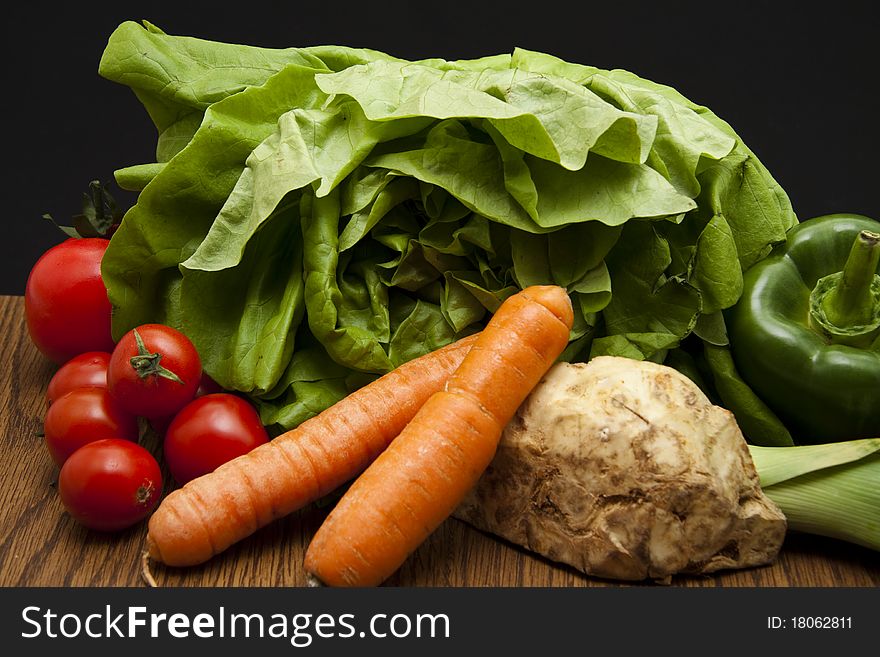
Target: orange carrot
[417,482]
[210,513]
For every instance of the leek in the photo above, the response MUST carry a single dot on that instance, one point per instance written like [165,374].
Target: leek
[831,490]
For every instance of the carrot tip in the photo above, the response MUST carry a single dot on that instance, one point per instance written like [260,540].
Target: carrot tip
[145,570]
[553,298]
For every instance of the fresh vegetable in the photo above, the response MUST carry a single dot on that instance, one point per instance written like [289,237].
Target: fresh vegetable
[110,484]
[154,371]
[100,216]
[760,425]
[212,512]
[806,334]
[625,470]
[84,415]
[66,305]
[417,482]
[88,370]
[829,489]
[319,213]
[208,432]
[207,386]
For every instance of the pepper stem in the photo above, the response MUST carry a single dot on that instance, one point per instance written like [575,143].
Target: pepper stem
[147,364]
[846,306]
[849,302]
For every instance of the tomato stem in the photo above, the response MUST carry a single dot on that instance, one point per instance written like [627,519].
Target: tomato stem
[147,364]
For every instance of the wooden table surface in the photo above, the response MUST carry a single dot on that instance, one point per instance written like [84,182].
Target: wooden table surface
[40,545]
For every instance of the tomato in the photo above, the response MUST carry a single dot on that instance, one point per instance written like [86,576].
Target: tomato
[110,484]
[210,431]
[157,377]
[84,415]
[66,305]
[88,370]
[207,386]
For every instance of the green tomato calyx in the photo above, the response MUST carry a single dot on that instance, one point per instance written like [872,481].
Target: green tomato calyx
[147,363]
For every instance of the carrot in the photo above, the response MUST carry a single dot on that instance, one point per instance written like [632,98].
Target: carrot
[210,513]
[415,484]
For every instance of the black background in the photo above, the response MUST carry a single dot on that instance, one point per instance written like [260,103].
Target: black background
[797,81]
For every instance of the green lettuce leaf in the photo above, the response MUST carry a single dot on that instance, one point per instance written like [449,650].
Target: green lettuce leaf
[757,421]
[317,216]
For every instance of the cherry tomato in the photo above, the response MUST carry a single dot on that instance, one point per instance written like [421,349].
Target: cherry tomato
[110,484]
[88,370]
[207,386]
[66,305]
[84,415]
[154,371]
[210,431]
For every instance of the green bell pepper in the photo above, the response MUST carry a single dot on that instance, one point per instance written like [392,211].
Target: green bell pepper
[805,335]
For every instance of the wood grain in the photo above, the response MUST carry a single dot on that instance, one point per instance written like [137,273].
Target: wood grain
[40,545]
